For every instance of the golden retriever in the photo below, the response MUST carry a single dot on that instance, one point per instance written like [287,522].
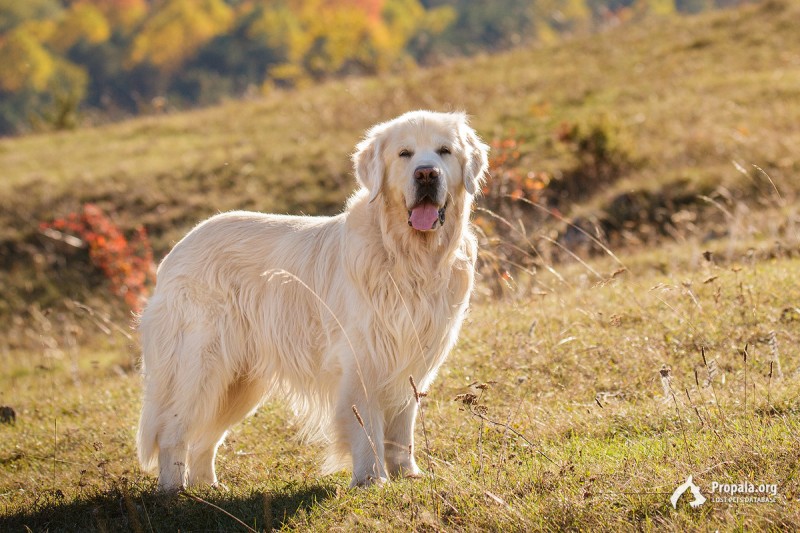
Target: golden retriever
[332,313]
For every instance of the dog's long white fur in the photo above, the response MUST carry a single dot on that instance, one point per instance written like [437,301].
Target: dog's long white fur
[325,312]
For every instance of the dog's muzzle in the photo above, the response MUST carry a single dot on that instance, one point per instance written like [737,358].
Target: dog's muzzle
[427,214]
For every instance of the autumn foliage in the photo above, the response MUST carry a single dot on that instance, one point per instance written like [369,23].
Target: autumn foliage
[598,153]
[519,198]
[127,263]
[509,178]
[118,56]
[121,54]
[512,189]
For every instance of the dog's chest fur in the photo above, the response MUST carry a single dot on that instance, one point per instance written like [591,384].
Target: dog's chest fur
[415,318]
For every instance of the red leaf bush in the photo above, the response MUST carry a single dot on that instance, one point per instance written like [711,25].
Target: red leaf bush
[127,263]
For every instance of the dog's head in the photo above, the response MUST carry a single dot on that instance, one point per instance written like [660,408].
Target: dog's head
[422,161]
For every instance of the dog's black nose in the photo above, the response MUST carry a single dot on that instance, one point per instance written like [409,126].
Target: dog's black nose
[425,175]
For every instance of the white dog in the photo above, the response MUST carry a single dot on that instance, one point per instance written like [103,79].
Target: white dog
[332,313]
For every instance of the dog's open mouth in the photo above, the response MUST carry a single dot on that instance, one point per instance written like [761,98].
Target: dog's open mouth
[426,216]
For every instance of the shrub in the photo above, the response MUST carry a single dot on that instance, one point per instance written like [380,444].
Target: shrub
[508,179]
[517,198]
[509,200]
[601,152]
[127,263]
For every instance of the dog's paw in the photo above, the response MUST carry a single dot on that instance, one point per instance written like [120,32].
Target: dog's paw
[170,490]
[220,487]
[409,470]
[367,482]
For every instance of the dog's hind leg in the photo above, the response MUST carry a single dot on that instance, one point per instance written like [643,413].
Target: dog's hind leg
[188,404]
[240,399]
[172,457]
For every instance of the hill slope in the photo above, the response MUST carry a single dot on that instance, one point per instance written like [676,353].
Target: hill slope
[683,97]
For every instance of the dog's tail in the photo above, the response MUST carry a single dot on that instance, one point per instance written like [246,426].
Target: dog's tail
[147,437]
[152,331]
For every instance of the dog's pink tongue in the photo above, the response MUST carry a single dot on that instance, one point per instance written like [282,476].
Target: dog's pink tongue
[424,216]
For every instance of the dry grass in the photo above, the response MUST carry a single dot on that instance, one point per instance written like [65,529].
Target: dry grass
[578,429]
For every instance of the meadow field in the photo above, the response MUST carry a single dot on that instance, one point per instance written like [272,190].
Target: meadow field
[636,319]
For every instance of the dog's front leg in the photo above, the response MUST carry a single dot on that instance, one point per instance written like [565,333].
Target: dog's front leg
[400,442]
[360,424]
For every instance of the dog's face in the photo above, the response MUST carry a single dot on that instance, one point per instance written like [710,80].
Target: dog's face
[422,161]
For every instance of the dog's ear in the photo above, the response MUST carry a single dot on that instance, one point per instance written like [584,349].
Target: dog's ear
[476,159]
[368,162]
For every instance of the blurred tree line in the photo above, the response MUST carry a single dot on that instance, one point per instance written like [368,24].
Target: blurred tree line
[119,57]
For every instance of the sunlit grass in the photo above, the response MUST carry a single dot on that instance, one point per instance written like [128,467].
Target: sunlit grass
[576,429]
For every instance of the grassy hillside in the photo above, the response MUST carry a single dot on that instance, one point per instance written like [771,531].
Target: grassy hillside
[610,375]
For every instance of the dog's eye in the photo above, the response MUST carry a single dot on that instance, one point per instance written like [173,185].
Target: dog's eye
[443,150]
[406,153]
